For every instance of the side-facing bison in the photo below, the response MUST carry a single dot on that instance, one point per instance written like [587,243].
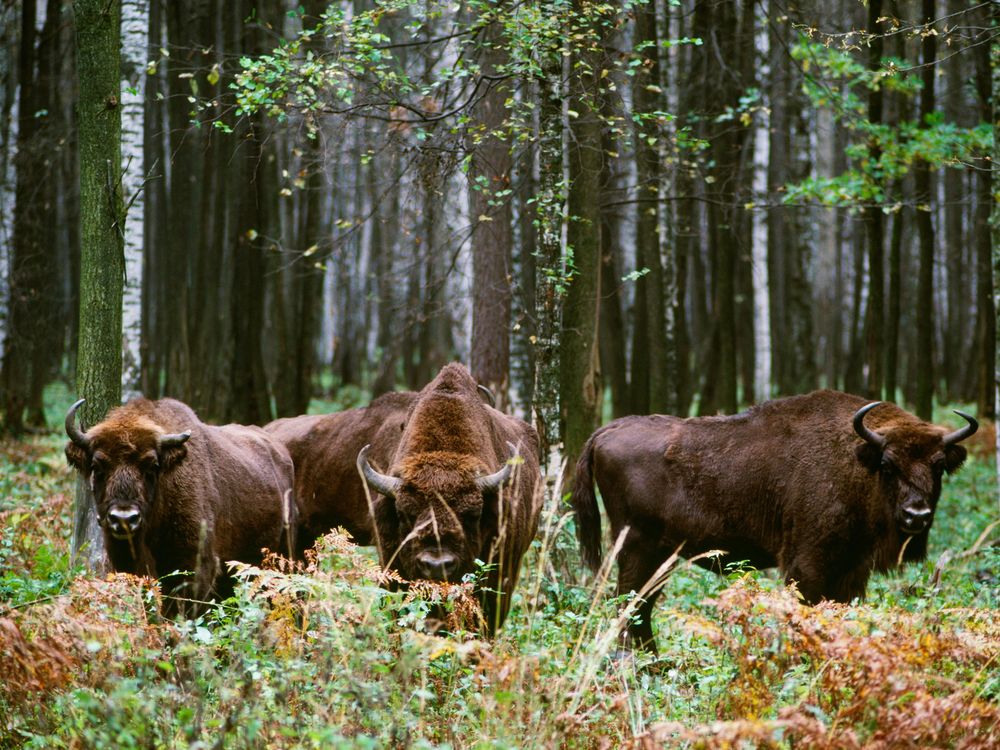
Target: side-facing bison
[174,494]
[462,485]
[825,486]
[324,449]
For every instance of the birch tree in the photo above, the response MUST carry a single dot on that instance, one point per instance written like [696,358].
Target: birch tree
[135,35]
[761,287]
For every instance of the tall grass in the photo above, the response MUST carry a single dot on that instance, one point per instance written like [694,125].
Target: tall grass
[323,656]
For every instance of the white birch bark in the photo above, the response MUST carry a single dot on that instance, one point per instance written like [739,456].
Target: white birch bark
[7,197]
[135,43]
[761,286]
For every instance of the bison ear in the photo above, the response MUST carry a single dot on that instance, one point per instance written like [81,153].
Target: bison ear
[77,457]
[954,457]
[870,456]
[171,456]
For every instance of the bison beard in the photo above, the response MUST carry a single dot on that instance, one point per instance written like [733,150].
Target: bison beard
[786,484]
[463,485]
[174,494]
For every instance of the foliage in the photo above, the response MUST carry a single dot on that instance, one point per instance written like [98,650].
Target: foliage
[324,656]
[879,153]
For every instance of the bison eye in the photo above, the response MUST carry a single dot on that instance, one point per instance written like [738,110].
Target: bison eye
[888,465]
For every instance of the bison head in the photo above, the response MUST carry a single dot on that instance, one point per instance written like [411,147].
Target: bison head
[121,461]
[911,458]
[433,516]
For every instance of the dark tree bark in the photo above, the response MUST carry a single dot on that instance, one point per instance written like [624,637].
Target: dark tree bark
[385,221]
[987,248]
[875,227]
[894,305]
[99,362]
[492,238]
[580,376]
[31,349]
[651,371]
[257,224]
[924,396]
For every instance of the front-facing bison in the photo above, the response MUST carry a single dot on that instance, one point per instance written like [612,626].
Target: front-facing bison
[825,486]
[462,486]
[174,494]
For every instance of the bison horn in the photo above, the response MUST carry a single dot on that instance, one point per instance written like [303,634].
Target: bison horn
[859,426]
[172,441]
[383,483]
[488,395]
[75,433]
[493,481]
[965,432]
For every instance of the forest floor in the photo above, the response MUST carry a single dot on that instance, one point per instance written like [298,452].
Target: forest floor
[322,657]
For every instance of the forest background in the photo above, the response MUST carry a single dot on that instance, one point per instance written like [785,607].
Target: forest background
[602,208]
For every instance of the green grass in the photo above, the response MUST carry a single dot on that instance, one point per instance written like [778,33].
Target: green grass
[325,658]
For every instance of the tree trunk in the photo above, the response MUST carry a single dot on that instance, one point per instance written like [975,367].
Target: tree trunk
[491,216]
[924,397]
[987,186]
[761,287]
[34,333]
[875,227]
[650,333]
[135,53]
[580,376]
[99,362]
[546,406]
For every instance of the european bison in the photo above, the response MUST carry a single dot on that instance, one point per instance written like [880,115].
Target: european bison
[823,486]
[174,494]
[462,485]
[324,449]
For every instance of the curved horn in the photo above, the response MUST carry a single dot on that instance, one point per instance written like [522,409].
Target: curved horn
[383,483]
[965,432]
[488,394]
[75,433]
[172,441]
[859,426]
[493,481]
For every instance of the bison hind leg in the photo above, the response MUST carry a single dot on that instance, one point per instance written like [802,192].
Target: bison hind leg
[638,562]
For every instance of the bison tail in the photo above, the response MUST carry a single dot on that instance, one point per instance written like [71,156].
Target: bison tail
[588,516]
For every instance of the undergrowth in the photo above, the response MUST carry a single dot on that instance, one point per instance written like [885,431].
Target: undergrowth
[323,656]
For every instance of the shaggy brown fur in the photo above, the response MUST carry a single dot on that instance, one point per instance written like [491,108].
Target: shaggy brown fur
[220,496]
[788,484]
[325,449]
[451,438]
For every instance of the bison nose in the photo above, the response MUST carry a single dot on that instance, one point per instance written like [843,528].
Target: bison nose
[440,566]
[916,520]
[124,522]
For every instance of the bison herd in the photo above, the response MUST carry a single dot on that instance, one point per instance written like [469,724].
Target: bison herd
[826,487]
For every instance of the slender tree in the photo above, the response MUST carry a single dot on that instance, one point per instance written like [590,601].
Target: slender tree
[135,36]
[924,395]
[761,287]
[650,371]
[874,224]
[491,215]
[580,378]
[99,361]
